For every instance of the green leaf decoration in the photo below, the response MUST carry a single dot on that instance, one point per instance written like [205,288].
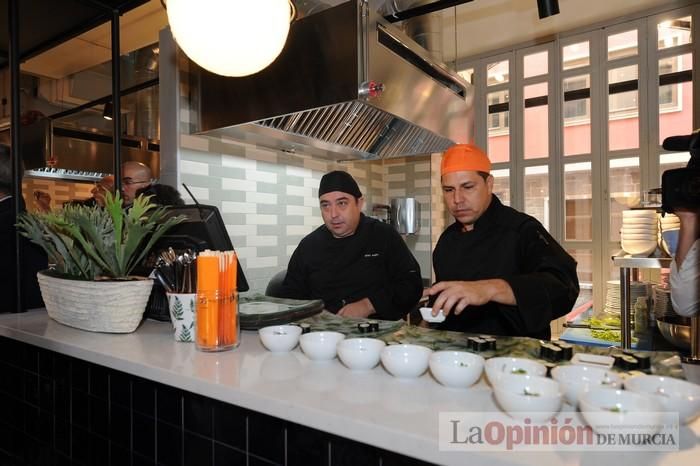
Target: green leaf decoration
[90,242]
[178,311]
[186,334]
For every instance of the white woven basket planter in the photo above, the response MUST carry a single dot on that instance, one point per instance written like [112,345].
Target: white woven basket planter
[114,306]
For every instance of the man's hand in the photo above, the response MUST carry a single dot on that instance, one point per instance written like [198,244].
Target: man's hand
[361,308]
[457,295]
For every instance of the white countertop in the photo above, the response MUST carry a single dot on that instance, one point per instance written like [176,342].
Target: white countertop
[373,407]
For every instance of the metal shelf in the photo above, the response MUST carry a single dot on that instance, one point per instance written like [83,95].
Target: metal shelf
[642,262]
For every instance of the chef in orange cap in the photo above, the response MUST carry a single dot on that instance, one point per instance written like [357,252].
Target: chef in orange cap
[498,271]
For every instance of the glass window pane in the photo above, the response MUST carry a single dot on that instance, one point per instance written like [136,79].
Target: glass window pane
[673,33]
[577,115]
[536,121]
[498,125]
[622,45]
[675,98]
[623,108]
[535,64]
[537,193]
[624,191]
[578,200]
[501,184]
[576,55]
[468,75]
[672,160]
[497,73]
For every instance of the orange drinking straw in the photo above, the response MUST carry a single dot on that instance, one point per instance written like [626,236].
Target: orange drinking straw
[232,280]
[207,313]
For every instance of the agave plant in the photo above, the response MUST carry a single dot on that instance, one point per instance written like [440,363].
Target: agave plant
[94,242]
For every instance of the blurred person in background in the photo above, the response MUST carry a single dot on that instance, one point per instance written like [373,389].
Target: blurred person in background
[135,176]
[685,266]
[33,258]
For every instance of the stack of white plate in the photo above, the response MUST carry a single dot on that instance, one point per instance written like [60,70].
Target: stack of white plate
[640,233]
[613,301]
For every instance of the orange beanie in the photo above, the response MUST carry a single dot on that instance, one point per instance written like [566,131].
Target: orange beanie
[464,157]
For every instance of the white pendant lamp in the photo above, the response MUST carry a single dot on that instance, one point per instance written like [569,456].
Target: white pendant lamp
[231,37]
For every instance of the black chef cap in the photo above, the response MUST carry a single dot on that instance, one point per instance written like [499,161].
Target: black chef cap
[683,143]
[339,181]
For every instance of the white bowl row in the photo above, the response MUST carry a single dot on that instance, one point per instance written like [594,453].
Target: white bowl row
[520,385]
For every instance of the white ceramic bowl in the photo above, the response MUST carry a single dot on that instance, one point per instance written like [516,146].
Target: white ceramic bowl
[528,396]
[320,346]
[360,353]
[675,395]
[609,411]
[639,247]
[405,361]
[639,213]
[427,314]
[497,367]
[457,369]
[640,236]
[576,379]
[639,221]
[280,338]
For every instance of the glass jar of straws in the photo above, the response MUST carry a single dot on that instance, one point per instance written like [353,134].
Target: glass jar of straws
[217,325]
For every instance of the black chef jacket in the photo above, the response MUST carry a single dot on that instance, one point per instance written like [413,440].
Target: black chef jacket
[33,260]
[372,263]
[515,247]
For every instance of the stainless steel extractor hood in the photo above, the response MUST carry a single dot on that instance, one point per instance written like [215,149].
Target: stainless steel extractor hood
[347,85]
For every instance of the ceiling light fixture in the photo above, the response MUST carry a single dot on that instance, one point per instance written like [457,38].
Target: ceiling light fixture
[231,38]
[108,111]
[547,8]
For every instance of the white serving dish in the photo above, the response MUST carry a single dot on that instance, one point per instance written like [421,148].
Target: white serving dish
[456,369]
[528,396]
[427,314]
[406,361]
[497,367]
[639,221]
[675,395]
[639,213]
[320,346]
[360,354]
[652,236]
[641,248]
[611,411]
[576,379]
[280,338]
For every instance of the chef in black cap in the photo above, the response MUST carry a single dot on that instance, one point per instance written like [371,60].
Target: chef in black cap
[357,265]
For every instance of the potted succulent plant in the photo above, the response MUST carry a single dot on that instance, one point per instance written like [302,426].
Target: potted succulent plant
[93,251]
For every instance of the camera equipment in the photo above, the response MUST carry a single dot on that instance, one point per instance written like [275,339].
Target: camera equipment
[680,187]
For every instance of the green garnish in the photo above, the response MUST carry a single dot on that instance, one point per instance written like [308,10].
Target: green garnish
[614,409]
[518,371]
[526,392]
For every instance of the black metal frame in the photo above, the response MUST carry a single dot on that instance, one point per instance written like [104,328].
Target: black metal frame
[14,59]
[424,10]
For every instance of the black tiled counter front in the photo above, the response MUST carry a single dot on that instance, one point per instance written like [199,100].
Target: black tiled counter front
[61,410]
[73,397]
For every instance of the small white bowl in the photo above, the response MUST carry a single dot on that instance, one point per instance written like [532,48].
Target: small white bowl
[609,411]
[280,338]
[576,379]
[427,314]
[675,395]
[320,346]
[360,354]
[528,396]
[457,369]
[406,361]
[497,367]
[641,248]
[648,213]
